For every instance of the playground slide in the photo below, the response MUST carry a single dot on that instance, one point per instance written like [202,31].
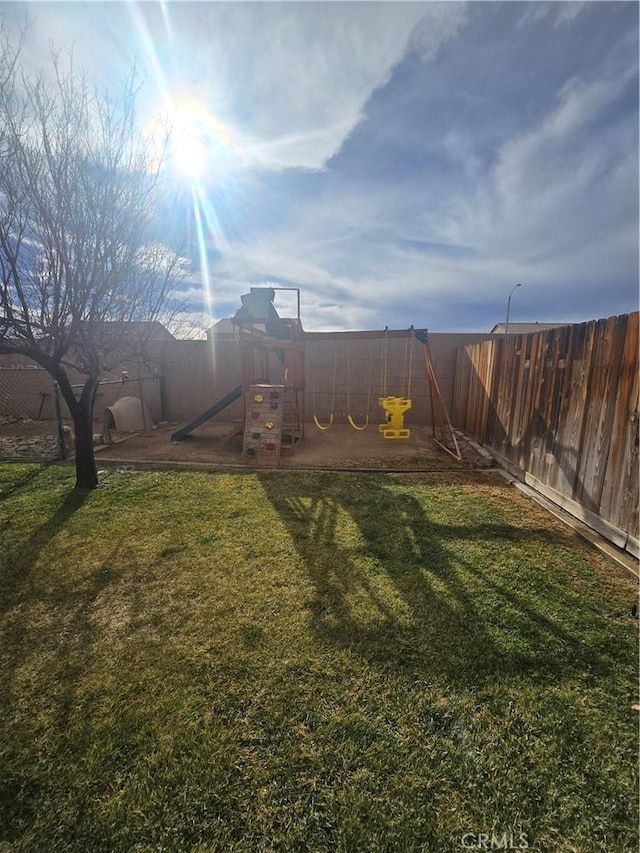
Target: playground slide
[225,401]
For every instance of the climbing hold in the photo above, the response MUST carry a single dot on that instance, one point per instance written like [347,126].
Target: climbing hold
[259,398]
[269,425]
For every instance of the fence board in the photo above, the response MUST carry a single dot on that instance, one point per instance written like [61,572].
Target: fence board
[622,469]
[562,406]
[559,473]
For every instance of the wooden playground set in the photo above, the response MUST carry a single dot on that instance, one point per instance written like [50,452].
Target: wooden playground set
[273,386]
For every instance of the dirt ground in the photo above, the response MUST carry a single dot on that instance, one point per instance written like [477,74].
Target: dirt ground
[338,447]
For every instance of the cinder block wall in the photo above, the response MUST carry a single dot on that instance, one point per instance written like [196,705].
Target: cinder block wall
[197,373]
[367,366]
[346,373]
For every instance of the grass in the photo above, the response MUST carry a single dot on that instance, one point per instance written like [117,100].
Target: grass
[307,662]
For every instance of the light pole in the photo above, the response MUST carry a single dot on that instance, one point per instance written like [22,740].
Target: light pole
[506,329]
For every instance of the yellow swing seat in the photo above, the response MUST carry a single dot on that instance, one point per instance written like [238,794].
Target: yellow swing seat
[395,407]
[320,426]
[355,425]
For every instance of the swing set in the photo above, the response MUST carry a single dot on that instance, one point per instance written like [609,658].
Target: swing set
[395,407]
[272,365]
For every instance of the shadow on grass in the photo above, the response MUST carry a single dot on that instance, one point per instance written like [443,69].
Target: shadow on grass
[47,659]
[16,564]
[461,620]
[25,480]
[49,655]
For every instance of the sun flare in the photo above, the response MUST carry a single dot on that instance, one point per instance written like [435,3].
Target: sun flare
[189,154]
[199,140]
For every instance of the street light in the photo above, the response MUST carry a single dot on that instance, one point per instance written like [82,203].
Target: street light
[506,330]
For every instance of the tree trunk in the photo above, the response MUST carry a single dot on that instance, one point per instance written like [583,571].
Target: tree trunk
[82,413]
[86,472]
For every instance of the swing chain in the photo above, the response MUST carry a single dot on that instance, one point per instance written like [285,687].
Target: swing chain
[333,396]
[410,343]
[349,417]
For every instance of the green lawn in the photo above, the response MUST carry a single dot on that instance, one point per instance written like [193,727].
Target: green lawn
[308,662]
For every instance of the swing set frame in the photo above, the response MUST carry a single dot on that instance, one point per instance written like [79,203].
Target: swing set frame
[441,427]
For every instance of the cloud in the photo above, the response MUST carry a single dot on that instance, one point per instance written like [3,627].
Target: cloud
[442,22]
[291,80]
[403,162]
[557,210]
[308,70]
[567,12]
[559,13]
[582,150]
[556,148]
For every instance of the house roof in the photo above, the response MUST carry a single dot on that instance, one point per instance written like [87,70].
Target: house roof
[525,328]
[153,331]
[223,329]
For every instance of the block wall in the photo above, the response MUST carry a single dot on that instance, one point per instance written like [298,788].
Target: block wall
[366,366]
[196,374]
[346,372]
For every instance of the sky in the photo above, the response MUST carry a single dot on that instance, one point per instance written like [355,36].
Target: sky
[400,163]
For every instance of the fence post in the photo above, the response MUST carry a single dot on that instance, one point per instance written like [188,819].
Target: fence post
[144,420]
[163,398]
[58,416]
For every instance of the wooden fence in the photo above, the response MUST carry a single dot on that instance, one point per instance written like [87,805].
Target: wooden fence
[560,408]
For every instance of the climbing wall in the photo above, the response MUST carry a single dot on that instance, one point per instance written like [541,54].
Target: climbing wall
[264,405]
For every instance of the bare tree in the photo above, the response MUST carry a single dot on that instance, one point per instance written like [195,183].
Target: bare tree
[83,273]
